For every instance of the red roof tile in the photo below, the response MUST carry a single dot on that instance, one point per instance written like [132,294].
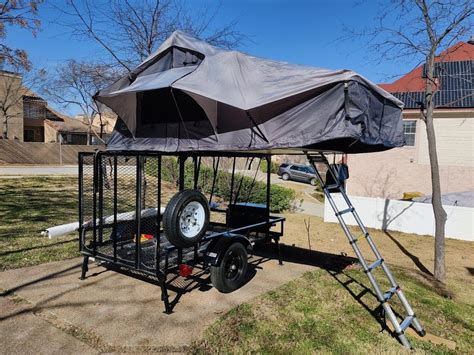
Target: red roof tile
[413,81]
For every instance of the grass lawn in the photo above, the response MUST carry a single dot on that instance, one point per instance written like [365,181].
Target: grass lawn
[317,313]
[332,310]
[327,310]
[29,205]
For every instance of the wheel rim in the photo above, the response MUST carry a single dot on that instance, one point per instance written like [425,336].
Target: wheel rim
[233,265]
[191,220]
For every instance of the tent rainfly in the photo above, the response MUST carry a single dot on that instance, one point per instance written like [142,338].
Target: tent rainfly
[191,96]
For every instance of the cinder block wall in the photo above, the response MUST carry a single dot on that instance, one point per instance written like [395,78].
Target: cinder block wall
[24,153]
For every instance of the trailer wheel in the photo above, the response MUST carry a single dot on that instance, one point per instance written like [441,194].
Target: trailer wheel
[186,218]
[232,271]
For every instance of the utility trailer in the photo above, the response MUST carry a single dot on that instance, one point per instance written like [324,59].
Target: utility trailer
[191,99]
[120,198]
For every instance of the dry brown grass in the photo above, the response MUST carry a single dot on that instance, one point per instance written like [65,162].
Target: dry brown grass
[404,250]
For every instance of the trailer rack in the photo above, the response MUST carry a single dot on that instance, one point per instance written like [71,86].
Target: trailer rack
[121,204]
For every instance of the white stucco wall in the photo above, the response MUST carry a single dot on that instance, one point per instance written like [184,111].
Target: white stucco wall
[404,216]
[391,173]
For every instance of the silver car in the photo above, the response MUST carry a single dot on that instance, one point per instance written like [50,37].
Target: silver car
[297,172]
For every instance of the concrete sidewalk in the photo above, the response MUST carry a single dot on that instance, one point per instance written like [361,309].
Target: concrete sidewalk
[29,333]
[38,170]
[113,312]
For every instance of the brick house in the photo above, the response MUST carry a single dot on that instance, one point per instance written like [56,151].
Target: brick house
[389,174]
[29,118]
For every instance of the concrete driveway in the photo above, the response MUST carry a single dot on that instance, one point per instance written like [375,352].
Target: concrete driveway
[112,312]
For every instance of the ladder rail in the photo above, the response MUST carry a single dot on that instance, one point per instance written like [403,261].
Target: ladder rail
[395,288]
[348,234]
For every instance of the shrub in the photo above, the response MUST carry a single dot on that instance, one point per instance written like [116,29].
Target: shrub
[408,196]
[248,190]
[273,167]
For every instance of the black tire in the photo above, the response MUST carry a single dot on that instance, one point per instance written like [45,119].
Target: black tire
[313,181]
[232,272]
[285,176]
[172,218]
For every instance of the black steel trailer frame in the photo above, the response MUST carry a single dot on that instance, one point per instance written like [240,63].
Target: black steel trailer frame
[155,259]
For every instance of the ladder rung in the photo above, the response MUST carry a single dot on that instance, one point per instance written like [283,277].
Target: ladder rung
[363,235]
[348,282]
[374,265]
[387,295]
[316,156]
[406,322]
[315,160]
[333,186]
[350,209]
[362,293]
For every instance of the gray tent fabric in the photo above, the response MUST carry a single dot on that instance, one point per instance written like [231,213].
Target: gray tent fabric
[191,96]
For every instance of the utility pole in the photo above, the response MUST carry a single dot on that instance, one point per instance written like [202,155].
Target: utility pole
[60,140]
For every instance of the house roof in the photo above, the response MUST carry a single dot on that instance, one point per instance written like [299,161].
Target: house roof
[414,81]
[454,70]
[51,114]
[67,125]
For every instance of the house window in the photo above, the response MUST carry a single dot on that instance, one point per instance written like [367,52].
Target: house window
[409,129]
[34,110]
[29,135]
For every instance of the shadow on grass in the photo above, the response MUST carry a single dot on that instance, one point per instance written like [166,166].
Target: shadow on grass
[414,258]
[335,265]
[439,287]
[37,247]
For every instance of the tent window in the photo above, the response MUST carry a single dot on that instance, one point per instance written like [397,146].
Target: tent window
[409,129]
[165,111]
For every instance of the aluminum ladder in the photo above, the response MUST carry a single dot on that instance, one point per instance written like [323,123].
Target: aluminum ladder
[400,327]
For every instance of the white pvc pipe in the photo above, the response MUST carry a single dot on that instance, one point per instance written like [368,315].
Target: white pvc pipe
[64,229]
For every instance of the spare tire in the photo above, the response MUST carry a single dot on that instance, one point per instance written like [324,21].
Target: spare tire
[186,218]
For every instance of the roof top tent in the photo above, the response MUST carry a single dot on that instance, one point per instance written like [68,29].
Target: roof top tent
[191,96]
[191,99]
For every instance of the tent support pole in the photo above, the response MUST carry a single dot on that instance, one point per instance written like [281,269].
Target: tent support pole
[255,126]
[182,160]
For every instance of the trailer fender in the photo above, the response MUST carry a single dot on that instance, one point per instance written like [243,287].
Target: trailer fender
[217,247]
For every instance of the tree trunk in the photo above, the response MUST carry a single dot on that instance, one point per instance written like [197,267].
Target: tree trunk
[89,135]
[438,210]
[5,129]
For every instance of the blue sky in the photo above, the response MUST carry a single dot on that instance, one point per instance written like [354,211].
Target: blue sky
[299,31]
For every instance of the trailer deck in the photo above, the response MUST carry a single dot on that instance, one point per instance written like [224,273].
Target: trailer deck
[120,194]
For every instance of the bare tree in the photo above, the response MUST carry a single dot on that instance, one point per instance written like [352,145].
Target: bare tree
[11,95]
[20,13]
[13,87]
[419,30]
[74,83]
[129,31]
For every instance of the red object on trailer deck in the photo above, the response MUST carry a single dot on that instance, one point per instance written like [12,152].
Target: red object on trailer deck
[185,270]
